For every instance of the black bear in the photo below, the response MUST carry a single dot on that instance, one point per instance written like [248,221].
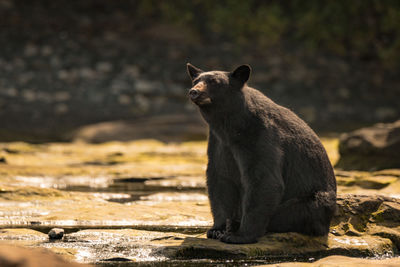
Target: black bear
[267,170]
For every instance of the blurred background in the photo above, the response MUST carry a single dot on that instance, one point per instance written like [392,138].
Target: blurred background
[76,77]
[103,70]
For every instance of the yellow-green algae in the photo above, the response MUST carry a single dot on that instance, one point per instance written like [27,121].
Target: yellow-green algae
[61,163]
[116,159]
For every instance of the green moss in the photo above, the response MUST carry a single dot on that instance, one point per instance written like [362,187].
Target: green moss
[378,215]
[345,181]
[255,252]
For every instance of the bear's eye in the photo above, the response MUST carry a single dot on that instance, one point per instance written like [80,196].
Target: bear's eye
[213,81]
[195,82]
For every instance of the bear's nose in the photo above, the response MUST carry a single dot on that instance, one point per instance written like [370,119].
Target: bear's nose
[194,93]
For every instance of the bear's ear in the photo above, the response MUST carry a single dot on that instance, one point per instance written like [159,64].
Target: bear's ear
[242,73]
[193,71]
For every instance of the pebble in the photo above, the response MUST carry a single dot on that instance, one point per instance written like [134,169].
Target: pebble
[56,233]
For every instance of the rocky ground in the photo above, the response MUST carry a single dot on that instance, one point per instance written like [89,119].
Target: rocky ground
[144,203]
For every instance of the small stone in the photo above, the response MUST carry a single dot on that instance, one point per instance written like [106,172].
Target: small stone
[144,86]
[124,99]
[87,73]
[46,50]
[104,66]
[61,108]
[30,50]
[132,71]
[62,96]
[29,95]
[56,233]
[63,74]
[12,92]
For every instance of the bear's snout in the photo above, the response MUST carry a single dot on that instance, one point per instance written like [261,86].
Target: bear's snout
[194,93]
[199,95]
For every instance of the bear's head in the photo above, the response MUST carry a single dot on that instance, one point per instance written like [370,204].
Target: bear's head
[215,88]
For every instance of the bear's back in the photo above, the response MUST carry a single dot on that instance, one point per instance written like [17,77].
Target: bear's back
[305,161]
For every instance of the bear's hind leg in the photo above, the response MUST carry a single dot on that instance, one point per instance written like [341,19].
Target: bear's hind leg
[310,217]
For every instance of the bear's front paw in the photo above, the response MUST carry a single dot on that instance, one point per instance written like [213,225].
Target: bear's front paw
[231,238]
[214,233]
[232,226]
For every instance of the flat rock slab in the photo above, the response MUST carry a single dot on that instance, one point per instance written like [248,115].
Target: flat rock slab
[98,245]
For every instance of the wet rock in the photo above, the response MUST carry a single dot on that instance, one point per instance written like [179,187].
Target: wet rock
[12,256]
[342,261]
[355,212]
[279,246]
[175,197]
[56,233]
[20,207]
[364,225]
[179,183]
[372,148]
[98,245]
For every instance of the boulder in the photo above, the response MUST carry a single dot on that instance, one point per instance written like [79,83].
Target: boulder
[371,148]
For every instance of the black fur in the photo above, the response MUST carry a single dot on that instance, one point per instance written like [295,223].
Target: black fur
[267,170]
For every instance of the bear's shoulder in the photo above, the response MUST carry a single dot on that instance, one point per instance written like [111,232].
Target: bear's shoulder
[272,115]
